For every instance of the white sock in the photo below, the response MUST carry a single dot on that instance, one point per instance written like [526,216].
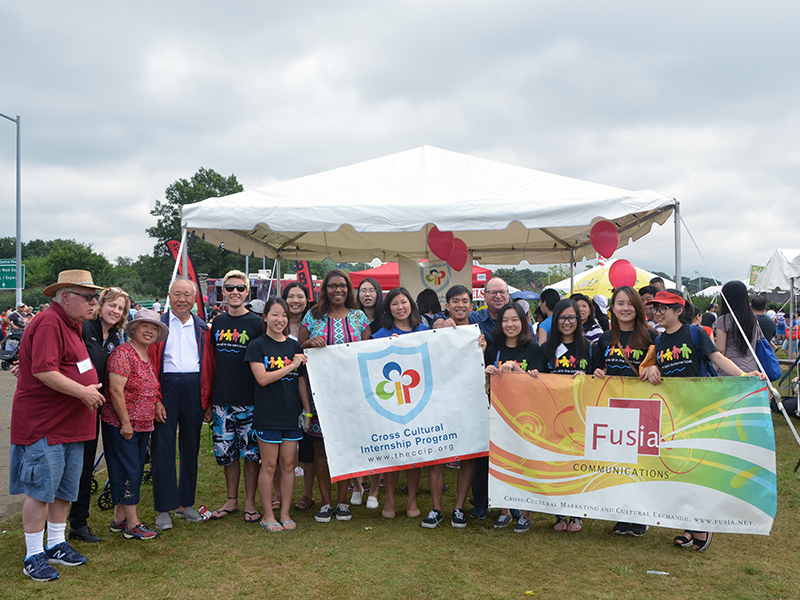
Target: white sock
[55,534]
[34,543]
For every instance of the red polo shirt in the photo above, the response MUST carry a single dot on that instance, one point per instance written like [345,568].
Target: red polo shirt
[52,342]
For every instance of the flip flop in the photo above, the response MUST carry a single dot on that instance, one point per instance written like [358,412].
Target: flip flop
[288,525]
[271,527]
[221,513]
[276,503]
[252,517]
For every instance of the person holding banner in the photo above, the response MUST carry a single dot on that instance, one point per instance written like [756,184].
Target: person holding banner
[333,320]
[514,350]
[458,303]
[281,396]
[679,355]
[626,350]
[729,338]
[566,352]
[401,316]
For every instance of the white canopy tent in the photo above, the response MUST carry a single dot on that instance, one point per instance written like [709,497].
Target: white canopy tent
[778,273]
[385,208]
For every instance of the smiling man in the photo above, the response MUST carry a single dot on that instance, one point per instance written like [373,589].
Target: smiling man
[185,395]
[233,396]
[52,415]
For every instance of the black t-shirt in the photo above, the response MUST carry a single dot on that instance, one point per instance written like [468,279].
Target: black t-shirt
[677,354]
[234,384]
[16,319]
[527,357]
[277,405]
[99,349]
[567,361]
[768,327]
[612,358]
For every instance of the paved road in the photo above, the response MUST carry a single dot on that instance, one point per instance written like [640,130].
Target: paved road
[9,505]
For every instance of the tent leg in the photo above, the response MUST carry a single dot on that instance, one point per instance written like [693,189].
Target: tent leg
[677,216]
[572,273]
[178,259]
[278,273]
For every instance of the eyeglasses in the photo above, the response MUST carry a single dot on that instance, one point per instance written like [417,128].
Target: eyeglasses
[337,286]
[87,297]
[366,291]
[229,287]
[572,319]
[660,308]
[496,292]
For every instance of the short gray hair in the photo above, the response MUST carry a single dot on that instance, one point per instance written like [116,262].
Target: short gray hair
[177,279]
[60,294]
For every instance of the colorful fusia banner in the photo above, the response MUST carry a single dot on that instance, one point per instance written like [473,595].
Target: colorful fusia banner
[692,453]
[174,247]
[403,402]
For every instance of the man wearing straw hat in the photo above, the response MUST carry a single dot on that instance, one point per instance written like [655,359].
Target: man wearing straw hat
[52,415]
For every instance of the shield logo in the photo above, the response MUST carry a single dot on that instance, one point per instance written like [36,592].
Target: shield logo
[435,275]
[397,381]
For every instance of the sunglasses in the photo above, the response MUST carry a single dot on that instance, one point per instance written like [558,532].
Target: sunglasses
[87,297]
[229,287]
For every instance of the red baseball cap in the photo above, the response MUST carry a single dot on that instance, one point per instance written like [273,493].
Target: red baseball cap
[667,298]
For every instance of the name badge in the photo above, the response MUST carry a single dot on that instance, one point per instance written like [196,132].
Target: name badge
[85,365]
[561,350]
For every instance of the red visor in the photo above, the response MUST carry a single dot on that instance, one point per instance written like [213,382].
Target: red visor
[667,298]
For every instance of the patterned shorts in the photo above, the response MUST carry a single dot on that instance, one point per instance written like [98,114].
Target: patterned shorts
[230,434]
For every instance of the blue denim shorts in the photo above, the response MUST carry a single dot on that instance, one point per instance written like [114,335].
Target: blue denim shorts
[276,436]
[46,472]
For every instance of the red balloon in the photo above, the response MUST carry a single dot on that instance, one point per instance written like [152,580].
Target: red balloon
[441,243]
[605,238]
[622,272]
[458,258]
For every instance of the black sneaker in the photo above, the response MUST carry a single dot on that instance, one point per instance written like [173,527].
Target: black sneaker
[343,512]
[621,528]
[433,520]
[64,554]
[38,569]
[523,525]
[324,514]
[458,520]
[502,521]
[637,529]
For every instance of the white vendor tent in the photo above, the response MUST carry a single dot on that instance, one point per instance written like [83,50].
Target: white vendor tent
[782,267]
[385,208]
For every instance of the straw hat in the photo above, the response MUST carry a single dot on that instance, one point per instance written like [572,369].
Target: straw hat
[146,315]
[73,278]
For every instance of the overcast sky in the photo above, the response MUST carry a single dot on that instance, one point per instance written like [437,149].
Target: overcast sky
[694,100]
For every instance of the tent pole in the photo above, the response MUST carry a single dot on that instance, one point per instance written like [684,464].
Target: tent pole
[572,272]
[247,266]
[677,216]
[181,255]
[278,272]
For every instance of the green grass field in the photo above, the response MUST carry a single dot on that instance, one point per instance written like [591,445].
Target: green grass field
[373,558]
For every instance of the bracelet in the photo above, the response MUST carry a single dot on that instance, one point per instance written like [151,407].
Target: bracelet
[743,374]
[309,415]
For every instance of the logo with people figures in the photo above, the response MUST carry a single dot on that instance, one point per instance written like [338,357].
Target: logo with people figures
[397,382]
[435,275]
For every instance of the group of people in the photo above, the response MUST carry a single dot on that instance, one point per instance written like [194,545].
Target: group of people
[245,375]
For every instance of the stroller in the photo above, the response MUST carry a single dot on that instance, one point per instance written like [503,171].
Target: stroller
[9,348]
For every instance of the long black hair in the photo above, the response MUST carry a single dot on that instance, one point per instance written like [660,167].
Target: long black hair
[554,341]
[735,292]
[388,320]
[525,337]
[590,320]
[378,299]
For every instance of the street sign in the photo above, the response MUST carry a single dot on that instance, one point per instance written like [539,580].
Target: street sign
[8,275]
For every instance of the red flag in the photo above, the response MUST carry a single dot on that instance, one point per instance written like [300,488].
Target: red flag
[174,246]
[304,275]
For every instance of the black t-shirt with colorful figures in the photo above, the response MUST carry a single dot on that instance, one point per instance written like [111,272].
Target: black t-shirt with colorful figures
[567,361]
[233,380]
[527,357]
[612,358]
[277,405]
[677,353]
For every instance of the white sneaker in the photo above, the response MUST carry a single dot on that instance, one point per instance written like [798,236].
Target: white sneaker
[355,499]
[372,502]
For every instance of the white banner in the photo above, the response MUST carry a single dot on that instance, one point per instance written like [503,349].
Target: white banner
[403,402]
[434,275]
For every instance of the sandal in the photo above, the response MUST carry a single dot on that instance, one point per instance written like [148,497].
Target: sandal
[276,503]
[221,513]
[575,525]
[684,540]
[304,503]
[252,517]
[561,523]
[701,545]
[288,525]
[271,527]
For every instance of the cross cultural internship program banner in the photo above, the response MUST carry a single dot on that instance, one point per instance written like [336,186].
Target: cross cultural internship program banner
[404,402]
[693,453]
